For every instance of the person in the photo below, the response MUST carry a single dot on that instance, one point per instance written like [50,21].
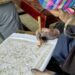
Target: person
[65,43]
[9,19]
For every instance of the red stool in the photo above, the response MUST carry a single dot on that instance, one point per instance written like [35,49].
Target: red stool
[33,12]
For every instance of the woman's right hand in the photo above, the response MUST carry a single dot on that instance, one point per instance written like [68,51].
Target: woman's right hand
[47,34]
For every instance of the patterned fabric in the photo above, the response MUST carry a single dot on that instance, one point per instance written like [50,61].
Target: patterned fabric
[4,1]
[66,5]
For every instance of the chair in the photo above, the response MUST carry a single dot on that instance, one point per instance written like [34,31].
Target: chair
[33,8]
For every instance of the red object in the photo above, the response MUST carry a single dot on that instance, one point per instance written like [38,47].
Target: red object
[33,12]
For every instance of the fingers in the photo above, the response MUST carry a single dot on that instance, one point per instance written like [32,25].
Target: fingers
[34,70]
[42,34]
[47,34]
[38,72]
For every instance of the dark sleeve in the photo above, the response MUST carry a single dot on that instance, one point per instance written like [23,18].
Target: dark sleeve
[60,26]
[69,65]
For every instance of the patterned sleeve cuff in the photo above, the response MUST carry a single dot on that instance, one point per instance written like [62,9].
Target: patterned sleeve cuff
[70,10]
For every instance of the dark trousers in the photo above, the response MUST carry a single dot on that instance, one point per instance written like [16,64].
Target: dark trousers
[61,51]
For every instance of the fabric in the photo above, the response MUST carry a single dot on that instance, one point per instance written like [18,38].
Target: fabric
[1,38]
[69,65]
[63,47]
[65,5]
[9,20]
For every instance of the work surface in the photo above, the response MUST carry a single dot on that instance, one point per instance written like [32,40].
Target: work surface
[19,53]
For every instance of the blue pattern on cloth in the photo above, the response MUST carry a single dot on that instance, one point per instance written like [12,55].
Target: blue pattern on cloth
[72,4]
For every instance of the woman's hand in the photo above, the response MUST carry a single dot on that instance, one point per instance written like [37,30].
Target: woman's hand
[47,34]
